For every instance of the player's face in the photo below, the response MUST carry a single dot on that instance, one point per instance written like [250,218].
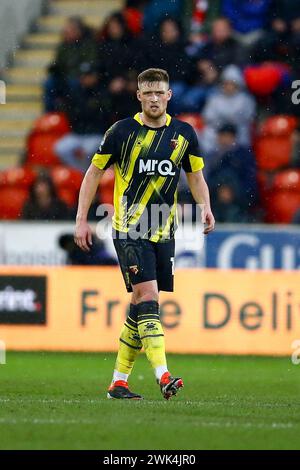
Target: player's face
[154,97]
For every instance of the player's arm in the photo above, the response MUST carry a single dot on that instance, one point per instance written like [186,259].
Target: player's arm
[200,192]
[103,158]
[83,233]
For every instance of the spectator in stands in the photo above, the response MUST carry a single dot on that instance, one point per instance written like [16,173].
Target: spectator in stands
[232,161]
[204,84]
[44,203]
[274,44]
[87,108]
[167,51]
[248,18]
[221,47]
[115,48]
[226,204]
[122,98]
[77,46]
[231,104]
[286,10]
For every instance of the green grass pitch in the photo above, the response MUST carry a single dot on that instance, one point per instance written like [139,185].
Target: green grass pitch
[58,401]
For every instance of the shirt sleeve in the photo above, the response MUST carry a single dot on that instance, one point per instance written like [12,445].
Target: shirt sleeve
[192,161]
[107,153]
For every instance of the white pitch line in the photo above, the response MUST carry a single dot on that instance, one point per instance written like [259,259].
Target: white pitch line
[200,423]
[90,401]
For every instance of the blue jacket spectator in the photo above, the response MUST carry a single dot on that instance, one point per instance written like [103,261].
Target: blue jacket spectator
[246,16]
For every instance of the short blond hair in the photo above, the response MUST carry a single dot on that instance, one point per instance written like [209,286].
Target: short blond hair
[153,75]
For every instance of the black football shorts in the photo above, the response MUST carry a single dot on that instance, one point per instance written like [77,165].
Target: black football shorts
[142,260]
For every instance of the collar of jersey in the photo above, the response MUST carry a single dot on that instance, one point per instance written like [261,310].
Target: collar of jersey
[138,119]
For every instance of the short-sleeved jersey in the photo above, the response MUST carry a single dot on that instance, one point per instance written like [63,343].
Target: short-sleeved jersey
[147,163]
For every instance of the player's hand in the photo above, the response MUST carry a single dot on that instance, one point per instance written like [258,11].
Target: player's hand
[83,236]
[208,219]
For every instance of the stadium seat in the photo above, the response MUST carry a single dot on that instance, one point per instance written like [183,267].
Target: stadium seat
[194,119]
[12,200]
[280,125]
[44,135]
[282,206]
[287,180]
[56,123]
[66,178]
[69,196]
[273,145]
[262,79]
[18,177]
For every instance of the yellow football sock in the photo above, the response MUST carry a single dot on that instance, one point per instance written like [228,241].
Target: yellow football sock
[151,333]
[130,344]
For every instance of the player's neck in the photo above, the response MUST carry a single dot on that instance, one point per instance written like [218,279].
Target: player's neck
[158,122]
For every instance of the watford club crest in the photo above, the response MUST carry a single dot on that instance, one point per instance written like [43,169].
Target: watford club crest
[134,269]
[174,143]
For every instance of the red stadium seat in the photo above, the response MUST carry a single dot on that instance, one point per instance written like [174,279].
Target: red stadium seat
[287,180]
[280,125]
[55,123]
[20,177]
[273,145]
[194,119]
[66,178]
[282,206]
[273,153]
[69,196]
[12,200]
[262,79]
[43,137]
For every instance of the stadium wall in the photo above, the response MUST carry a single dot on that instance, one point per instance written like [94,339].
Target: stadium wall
[211,311]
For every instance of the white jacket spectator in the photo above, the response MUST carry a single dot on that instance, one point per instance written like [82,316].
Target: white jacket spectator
[230,105]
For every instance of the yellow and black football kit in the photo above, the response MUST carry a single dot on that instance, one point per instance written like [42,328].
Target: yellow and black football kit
[147,163]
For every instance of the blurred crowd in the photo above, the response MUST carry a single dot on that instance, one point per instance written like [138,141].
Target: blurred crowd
[232,62]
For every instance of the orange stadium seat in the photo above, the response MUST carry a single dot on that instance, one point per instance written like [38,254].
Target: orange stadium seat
[194,119]
[12,200]
[41,140]
[273,145]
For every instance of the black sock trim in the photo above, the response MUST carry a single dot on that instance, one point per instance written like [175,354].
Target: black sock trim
[148,307]
[150,336]
[131,323]
[152,315]
[129,345]
[156,320]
